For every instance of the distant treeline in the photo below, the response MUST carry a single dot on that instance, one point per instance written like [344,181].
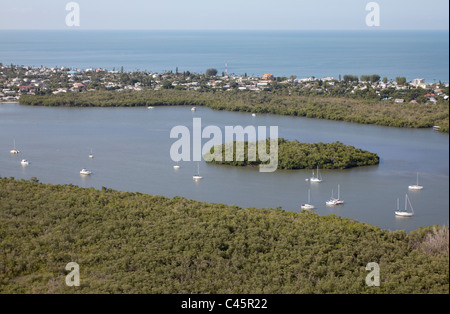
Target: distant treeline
[130,243]
[296,155]
[386,113]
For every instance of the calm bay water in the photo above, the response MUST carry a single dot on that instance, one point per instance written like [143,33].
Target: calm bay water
[413,54]
[132,153]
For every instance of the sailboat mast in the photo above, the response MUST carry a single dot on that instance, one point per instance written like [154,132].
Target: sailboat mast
[410,205]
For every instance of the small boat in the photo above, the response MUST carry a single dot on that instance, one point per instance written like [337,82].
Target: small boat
[176,167]
[25,162]
[150,107]
[91,155]
[85,172]
[335,201]
[404,213]
[194,109]
[317,179]
[416,186]
[254,115]
[197,176]
[308,206]
[14,151]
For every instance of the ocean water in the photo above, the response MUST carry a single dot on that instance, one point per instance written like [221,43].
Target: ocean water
[413,54]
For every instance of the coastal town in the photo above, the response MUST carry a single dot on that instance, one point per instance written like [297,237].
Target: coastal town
[20,80]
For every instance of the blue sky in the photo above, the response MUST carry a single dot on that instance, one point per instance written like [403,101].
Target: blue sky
[226,15]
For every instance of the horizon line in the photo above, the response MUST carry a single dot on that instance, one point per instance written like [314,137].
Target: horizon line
[372,29]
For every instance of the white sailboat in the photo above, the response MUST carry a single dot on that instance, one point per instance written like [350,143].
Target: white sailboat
[91,155]
[331,202]
[317,178]
[404,213]
[308,206]
[197,176]
[416,186]
[24,162]
[85,172]
[14,151]
[336,201]
[176,167]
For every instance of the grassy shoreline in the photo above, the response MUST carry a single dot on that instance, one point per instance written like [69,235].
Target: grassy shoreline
[136,243]
[404,115]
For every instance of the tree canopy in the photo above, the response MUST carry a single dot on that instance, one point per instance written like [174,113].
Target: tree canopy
[134,243]
[211,72]
[295,155]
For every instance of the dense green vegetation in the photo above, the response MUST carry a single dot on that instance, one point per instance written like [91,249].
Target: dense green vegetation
[366,111]
[296,155]
[134,243]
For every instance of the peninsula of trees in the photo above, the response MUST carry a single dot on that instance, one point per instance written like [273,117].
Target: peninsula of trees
[135,243]
[367,99]
[404,115]
[294,155]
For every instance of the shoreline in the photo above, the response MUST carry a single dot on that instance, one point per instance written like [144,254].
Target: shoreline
[181,198]
[438,130]
[369,112]
[138,243]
